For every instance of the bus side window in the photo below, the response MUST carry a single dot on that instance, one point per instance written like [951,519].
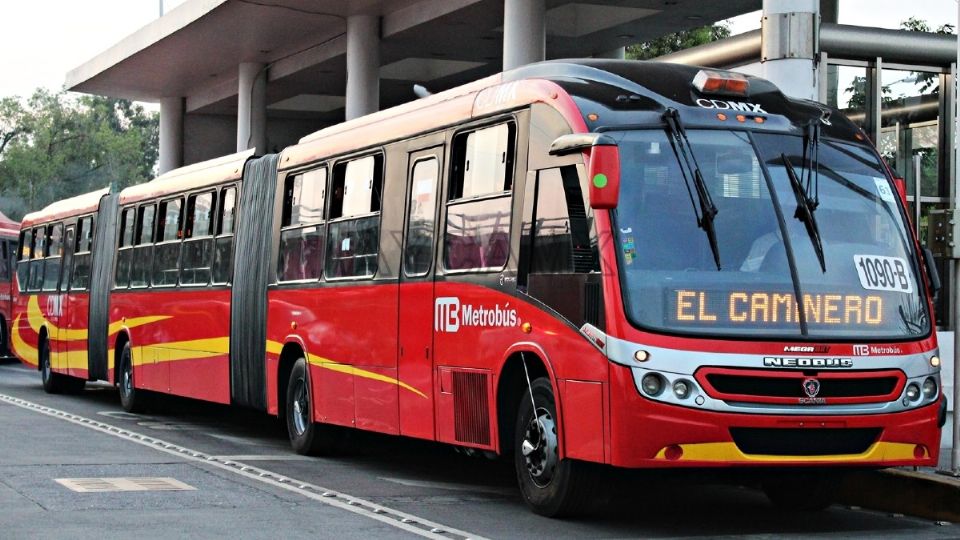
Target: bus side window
[166,254]
[80,275]
[479,205]
[302,229]
[223,243]
[143,238]
[54,255]
[121,278]
[25,267]
[353,236]
[558,250]
[5,262]
[197,257]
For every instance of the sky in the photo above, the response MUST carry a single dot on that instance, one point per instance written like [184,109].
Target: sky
[53,37]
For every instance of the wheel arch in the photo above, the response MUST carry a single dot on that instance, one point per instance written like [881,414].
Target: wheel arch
[123,337]
[293,349]
[511,382]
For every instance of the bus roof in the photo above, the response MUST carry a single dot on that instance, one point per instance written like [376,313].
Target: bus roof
[74,206]
[198,175]
[474,100]
[8,227]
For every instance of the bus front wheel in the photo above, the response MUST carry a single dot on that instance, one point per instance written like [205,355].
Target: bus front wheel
[306,436]
[550,486]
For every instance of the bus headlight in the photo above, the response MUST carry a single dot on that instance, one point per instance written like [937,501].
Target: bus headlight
[913,392]
[681,389]
[929,388]
[652,384]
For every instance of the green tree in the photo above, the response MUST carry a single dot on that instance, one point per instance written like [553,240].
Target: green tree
[54,146]
[677,41]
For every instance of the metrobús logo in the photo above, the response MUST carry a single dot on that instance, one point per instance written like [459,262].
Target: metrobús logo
[450,315]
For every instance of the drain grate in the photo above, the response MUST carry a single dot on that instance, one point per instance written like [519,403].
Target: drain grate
[103,485]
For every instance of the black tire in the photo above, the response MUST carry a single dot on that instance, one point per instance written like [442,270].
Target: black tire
[4,340]
[55,383]
[307,437]
[550,486]
[807,491]
[51,381]
[132,399]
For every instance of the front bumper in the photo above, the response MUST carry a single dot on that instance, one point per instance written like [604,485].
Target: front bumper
[646,433]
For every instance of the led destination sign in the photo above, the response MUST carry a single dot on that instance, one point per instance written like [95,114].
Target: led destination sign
[733,308]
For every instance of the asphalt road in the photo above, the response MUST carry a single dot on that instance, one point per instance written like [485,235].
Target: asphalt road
[246,483]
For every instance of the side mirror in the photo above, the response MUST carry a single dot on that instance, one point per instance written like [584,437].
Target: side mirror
[603,168]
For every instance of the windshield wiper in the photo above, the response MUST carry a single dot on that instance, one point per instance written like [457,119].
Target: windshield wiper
[805,208]
[703,208]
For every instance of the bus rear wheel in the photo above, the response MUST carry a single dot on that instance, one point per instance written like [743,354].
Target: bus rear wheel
[132,400]
[306,436]
[55,383]
[550,486]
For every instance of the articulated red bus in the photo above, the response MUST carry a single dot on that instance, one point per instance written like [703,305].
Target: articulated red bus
[8,248]
[634,264]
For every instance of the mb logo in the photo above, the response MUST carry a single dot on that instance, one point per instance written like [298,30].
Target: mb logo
[446,314]
[861,350]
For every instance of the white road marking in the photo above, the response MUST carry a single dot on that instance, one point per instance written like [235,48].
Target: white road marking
[394,518]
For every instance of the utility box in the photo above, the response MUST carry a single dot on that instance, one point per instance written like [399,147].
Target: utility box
[943,233]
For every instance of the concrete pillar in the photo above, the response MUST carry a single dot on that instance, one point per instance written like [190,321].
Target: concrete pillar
[616,54]
[524,32]
[252,107]
[171,134]
[789,43]
[363,65]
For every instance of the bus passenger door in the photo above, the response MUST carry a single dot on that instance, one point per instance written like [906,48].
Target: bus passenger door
[65,342]
[415,365]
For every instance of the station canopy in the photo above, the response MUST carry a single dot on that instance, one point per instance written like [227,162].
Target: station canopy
[194,51]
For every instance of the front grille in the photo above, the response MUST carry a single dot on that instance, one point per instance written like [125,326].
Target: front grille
[804,442]
[792,387]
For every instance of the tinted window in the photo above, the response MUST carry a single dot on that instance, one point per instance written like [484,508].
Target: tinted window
[200,216]
[170,217]
[483,162]
[353,235]
[304,195]
[126,227]
[478,231]
[145,226]
[223,244]
[418,250]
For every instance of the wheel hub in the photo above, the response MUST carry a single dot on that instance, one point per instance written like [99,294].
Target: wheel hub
[539,448]
[301,408]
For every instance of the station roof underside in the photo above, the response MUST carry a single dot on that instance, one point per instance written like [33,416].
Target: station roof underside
[194,51]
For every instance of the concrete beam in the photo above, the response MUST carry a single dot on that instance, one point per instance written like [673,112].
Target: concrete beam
[171,134]
[524,32]
[363,65]
[252,107]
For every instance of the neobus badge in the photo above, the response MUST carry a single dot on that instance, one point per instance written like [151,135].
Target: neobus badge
[449,315]
[772,361]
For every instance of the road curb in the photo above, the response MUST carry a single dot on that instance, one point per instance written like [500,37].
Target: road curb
[925,495]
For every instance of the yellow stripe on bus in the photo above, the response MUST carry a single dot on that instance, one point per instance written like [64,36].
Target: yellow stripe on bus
[275,347]
[27,353]
[37,321]
[728,452]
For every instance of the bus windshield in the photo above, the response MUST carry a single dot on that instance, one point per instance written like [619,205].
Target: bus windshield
[866,287]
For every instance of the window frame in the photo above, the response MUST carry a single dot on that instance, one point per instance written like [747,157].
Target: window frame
[455,182]
[344,161]
[320,225]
